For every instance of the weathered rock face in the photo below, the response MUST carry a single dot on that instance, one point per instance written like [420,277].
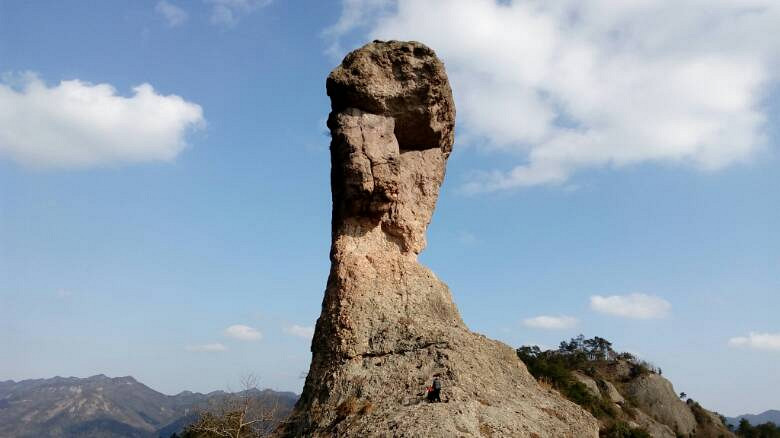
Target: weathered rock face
[388,325]
[654,394]
[652,426]
[648,400]
[589,383]
[612,393]
[663,415]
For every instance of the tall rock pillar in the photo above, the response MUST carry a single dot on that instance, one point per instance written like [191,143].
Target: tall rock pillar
[388,325]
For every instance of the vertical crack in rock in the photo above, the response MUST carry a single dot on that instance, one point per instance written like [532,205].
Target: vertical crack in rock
[388,325]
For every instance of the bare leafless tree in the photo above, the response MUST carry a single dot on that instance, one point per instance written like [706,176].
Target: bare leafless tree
[244,414]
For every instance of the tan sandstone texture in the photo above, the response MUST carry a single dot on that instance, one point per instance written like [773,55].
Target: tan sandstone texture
[388,325]
[654,394]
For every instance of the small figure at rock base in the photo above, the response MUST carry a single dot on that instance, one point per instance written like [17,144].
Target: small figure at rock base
[434,392]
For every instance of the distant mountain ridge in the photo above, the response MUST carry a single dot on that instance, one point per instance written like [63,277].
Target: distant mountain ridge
[771,415]
[101,406]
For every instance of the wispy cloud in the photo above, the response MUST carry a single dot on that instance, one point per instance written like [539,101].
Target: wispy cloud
[636,305]
[757,341]
[206,347]
[63,293]
[355,14]
[243,332]
[228,12]
[551,322]
[467,238]
[76,124]
[173,15]
[561,86]
[300,331]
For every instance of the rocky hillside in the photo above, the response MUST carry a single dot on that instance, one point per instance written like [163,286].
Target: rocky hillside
[105,407]
[627,395]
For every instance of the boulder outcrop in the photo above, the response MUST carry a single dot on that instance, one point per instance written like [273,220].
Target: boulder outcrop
[645,399]
[589,383]
[654,394]
[388,325]
[612,393]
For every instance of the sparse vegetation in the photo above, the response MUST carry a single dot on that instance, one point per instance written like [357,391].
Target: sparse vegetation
[239,415]
[621,429]
[766,430]
[556,368]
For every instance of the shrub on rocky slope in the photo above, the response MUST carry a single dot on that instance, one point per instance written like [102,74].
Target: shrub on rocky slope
[628,396]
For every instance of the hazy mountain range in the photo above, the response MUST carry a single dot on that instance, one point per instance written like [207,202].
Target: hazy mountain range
[756,419]
[105,407]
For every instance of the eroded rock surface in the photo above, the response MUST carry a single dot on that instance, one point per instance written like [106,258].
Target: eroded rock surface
[589,383]
[388,325]
[612,393]
[656,395]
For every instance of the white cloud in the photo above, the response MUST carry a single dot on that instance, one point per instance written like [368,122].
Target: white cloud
[174,15]
[63,293]
[565,85]
[77,124]
[243,332]
[636,305]
[468,238]
[207,347]
[550,322]
[757,341]
[305,332]
[229,12]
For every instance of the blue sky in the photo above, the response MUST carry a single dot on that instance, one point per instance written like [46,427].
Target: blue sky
[613,176]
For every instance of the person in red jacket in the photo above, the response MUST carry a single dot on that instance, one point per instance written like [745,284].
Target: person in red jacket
[434,391]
